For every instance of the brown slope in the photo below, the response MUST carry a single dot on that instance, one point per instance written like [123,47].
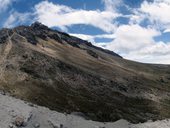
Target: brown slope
[68,74]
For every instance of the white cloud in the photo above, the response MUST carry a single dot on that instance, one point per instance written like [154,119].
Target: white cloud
[62,16]
[132,37]
[166,30]
[137,17]
[136,43]
[157,49]
[84,37]
[16,18]
[92,38]
[157,13]
[111,5]
[4,4]
[157,53]
[108,36]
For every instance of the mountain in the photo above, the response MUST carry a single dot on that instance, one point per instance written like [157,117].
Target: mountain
[68,74]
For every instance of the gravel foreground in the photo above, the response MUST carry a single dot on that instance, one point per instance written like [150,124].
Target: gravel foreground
[16,113]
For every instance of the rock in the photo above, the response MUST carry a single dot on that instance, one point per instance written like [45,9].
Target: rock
[11,126]
[2,92]
[61,126]
[19,121]
[31,104]
[92,53]
[3,35]
[55,125]
[99,127]
[37,125]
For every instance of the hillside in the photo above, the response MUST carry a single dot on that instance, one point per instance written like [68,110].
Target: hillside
[67,74]
[26,115]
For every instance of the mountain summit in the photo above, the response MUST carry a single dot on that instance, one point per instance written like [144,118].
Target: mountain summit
[68,74]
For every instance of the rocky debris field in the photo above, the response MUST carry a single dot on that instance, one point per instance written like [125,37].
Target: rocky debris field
[16,113]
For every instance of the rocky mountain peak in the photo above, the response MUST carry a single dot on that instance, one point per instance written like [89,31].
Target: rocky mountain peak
[39,26]
[39,30]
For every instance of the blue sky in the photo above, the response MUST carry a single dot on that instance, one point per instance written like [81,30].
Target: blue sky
[136,29]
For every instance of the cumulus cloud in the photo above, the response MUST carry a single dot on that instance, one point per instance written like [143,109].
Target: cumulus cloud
[63,16]
[156,53]
[157,12]
[132,37]
[137,43]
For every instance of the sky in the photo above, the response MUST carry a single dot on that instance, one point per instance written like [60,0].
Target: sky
[138,30]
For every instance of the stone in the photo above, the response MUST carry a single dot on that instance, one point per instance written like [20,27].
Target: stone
[37,125]
[11,126]
[19,121]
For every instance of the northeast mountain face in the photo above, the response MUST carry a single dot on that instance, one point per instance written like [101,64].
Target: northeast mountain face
[67,74]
